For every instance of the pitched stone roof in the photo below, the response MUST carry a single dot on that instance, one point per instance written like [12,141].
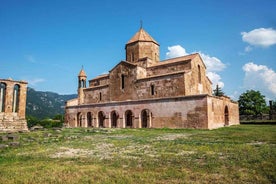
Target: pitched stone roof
[176,60]
[82,73]
[141,35]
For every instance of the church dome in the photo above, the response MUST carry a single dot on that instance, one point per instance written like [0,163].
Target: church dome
[82,73]
[142,35]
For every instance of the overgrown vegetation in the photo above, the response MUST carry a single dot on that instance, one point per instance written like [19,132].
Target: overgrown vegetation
[237,154]
[56,121]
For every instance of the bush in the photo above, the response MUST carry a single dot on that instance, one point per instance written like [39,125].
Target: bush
[46,123]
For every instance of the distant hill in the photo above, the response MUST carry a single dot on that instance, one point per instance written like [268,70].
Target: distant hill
[45,104]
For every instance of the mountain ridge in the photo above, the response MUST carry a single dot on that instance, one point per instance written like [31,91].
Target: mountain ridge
[45,104]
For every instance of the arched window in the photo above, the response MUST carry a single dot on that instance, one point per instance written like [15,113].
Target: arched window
[199,74]
[16,94]
[3,87]
[83,83]
[123,81]
[145,118]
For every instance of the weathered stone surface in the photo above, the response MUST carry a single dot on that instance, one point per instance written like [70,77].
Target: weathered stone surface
[14,144]
[37,127]
[4,138]
[13,137]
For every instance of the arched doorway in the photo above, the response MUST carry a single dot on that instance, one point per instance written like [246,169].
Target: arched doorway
[226,116]
[145,118]
[114,119]
[101,118]
[89,119]
[79,120]
[3,88]
[129,119]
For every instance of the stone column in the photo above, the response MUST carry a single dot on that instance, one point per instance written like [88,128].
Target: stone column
[22,101]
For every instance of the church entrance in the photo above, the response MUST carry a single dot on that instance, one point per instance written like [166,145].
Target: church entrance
[129,119]
[114,119]
[145,118]
[101,118]
[226,116]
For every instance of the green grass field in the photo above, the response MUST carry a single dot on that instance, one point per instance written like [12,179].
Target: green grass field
[237,154]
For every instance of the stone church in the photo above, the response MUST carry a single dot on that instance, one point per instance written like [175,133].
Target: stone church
[13,96]
[144,92]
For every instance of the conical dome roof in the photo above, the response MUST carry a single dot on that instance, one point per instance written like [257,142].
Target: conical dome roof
[141,35]
[82,73]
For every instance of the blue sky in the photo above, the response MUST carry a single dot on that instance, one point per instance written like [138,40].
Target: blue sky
[47,42]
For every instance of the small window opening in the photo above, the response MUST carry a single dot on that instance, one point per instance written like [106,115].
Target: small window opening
[199,74]
[100,96]
[152,89]
[123,81]
[132,56]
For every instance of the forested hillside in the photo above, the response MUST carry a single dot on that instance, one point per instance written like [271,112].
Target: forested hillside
[45,104]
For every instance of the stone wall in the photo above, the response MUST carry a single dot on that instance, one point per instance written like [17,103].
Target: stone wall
[196,80]
[12,117]
[165,68]
[161,86]
[179,112]
[222,112]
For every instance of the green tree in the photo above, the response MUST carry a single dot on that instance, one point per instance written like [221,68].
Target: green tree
[59,117]
[32,121]
[252,103]
[274,105]
[218,91]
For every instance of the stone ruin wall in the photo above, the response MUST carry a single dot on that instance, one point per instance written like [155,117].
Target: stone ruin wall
[12,120]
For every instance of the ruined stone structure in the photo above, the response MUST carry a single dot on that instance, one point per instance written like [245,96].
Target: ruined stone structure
[144,92]
[13,96]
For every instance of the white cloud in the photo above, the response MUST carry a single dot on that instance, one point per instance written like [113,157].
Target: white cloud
[216,79]
[247,49]
[261,78]
[213,64]
[176,51]
[263,37]
[30,58]
[34,82]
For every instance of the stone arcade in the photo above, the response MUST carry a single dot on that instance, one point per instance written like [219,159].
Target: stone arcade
[144,92]
[12,105]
